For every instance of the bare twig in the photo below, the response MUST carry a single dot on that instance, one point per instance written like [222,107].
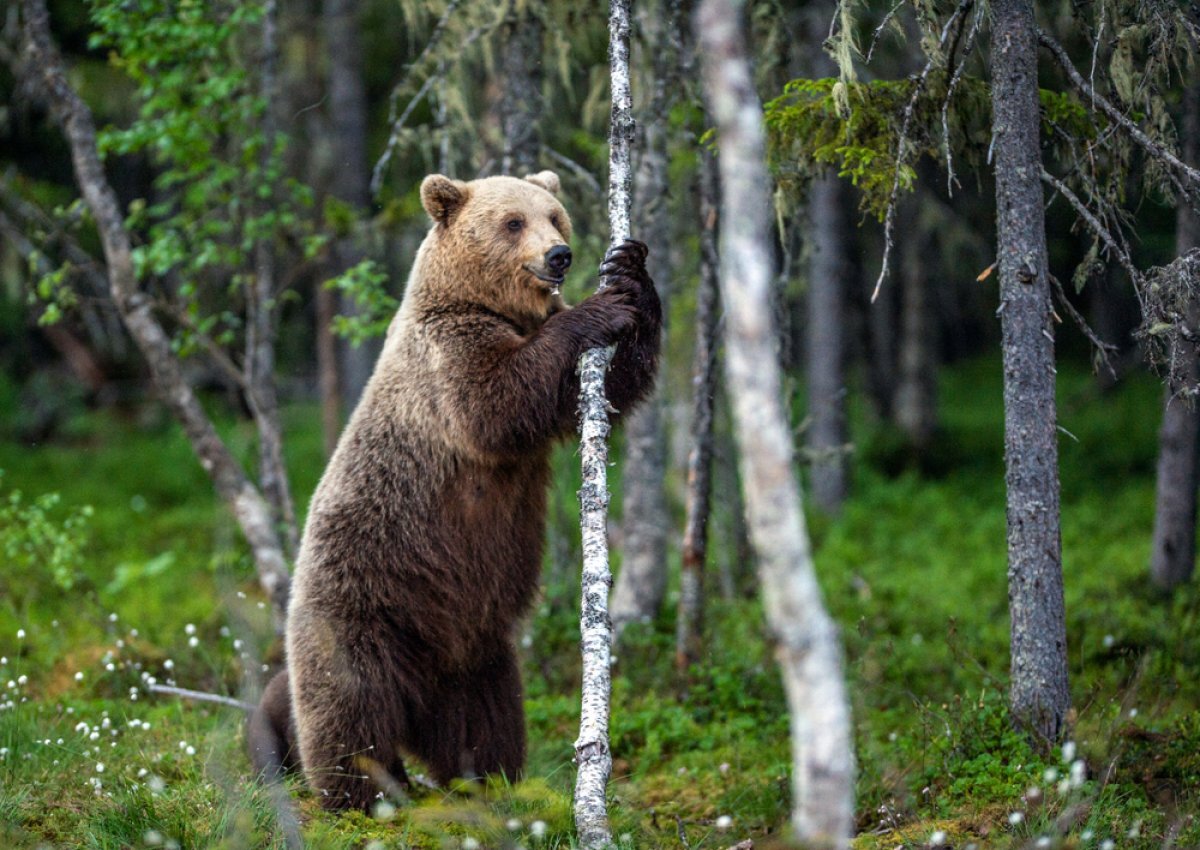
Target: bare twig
[202,696]
[1148,144]
[575,168]
[910,108]
[976,24]
[1103,349]
[1097,227]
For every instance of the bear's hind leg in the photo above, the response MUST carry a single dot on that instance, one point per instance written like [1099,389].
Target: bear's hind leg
[479,725]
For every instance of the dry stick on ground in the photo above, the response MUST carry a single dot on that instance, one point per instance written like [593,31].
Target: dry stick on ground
[592,752]
[243,499]
[807,644]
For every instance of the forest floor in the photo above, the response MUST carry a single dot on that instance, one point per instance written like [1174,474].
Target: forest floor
[154,585]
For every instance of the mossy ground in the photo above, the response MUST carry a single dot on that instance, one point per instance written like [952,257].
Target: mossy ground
[914,571]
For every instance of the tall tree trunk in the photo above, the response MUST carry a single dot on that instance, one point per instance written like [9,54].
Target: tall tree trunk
[642,582]
[807,643]
[329,387]
[915,403]
[592,753]
[1039,695]
[350,179]
[827,435]
[261,319]
[1173,550]
[229,480]
[690,616]
[521,40]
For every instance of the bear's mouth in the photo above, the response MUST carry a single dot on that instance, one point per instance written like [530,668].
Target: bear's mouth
[554,281]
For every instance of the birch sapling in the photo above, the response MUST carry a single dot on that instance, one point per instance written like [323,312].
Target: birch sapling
[592,754]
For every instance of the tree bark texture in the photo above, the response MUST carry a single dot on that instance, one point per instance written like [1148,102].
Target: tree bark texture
[807,642]
[1173,548]
[247,504]
[642,582]
[521,52]
[915,404]
[592,753]
[1039,695]
[689,621]
[349,179]
[828,270]
[262,320]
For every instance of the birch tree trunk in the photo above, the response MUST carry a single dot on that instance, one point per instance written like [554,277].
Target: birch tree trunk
[592,754]
[229,480]
[689,620]
[807,644]
[1039,695]
[1173,549]
[642,582]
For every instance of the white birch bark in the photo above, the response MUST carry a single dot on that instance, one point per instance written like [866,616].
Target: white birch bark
[592,754]
[806,640]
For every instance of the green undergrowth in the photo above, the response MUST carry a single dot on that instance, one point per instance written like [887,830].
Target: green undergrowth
[152,584]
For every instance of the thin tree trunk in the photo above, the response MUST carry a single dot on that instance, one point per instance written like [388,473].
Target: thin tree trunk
[247,504]
[592,753]
[350,180]
[1173,549]
[521,40]
[1039,694]
[325,302]
[915,403]
[827,434]
[689,623]
[807,643]
[261,323]
[642,582]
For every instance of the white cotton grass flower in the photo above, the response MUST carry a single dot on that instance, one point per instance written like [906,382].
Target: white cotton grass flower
[1043,841]
[189,629]
[937,839]
[1015,818]
[537,829]
[1108,844]
[1068,752]
[20,634]
[470,843]
[513,825]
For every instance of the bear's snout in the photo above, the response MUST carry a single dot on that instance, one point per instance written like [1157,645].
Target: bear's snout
[558,260]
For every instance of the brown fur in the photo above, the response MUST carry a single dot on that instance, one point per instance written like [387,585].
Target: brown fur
[424,537]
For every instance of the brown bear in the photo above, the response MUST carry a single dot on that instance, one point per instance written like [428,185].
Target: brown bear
[424,538]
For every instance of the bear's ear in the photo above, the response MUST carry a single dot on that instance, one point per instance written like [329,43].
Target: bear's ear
[442,197]
[548,180]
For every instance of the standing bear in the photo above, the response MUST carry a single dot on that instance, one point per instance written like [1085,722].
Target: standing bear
[424,538]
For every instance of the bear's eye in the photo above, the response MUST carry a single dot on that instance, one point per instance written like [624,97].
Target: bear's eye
[554,222]
[514,225]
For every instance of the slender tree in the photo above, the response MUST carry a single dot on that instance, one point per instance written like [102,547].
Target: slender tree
[592,754]
[915,404]
[807,643]
[1039,695]
[1173,550]
[690,614]
[136,308]
[642,582]
[349,179]
[520,104]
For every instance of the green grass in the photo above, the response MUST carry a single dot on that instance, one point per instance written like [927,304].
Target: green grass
[914,571]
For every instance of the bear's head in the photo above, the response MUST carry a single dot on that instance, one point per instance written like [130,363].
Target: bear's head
[499,241]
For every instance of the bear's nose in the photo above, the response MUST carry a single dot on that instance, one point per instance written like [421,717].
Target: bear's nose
[558,259]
